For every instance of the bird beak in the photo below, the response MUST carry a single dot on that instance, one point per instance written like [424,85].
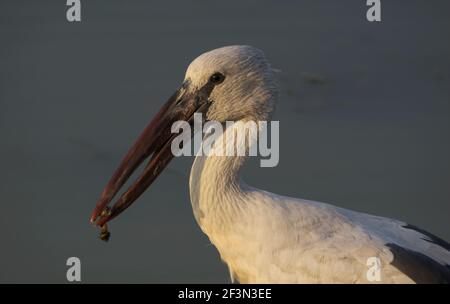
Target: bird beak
[154,143]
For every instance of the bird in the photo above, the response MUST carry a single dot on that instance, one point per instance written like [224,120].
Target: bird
[264,237]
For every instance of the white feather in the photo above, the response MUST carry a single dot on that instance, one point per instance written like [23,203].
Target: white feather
[267,238]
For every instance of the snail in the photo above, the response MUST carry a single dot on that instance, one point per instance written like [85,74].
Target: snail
[104,233]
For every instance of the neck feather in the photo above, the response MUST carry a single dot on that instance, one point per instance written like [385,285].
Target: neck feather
[216,189]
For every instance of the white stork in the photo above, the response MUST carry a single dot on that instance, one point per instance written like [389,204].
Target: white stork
[264,237]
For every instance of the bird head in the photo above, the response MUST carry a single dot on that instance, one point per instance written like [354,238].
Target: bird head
[227,84]
[244,83]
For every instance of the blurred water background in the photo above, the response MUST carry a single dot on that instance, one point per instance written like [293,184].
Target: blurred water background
[364,120]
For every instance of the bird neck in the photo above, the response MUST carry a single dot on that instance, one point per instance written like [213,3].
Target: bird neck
[216,189]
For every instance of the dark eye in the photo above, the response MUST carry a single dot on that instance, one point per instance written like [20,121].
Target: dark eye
[217,78]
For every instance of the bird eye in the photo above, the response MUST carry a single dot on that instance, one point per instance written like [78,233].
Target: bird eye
[217,78]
